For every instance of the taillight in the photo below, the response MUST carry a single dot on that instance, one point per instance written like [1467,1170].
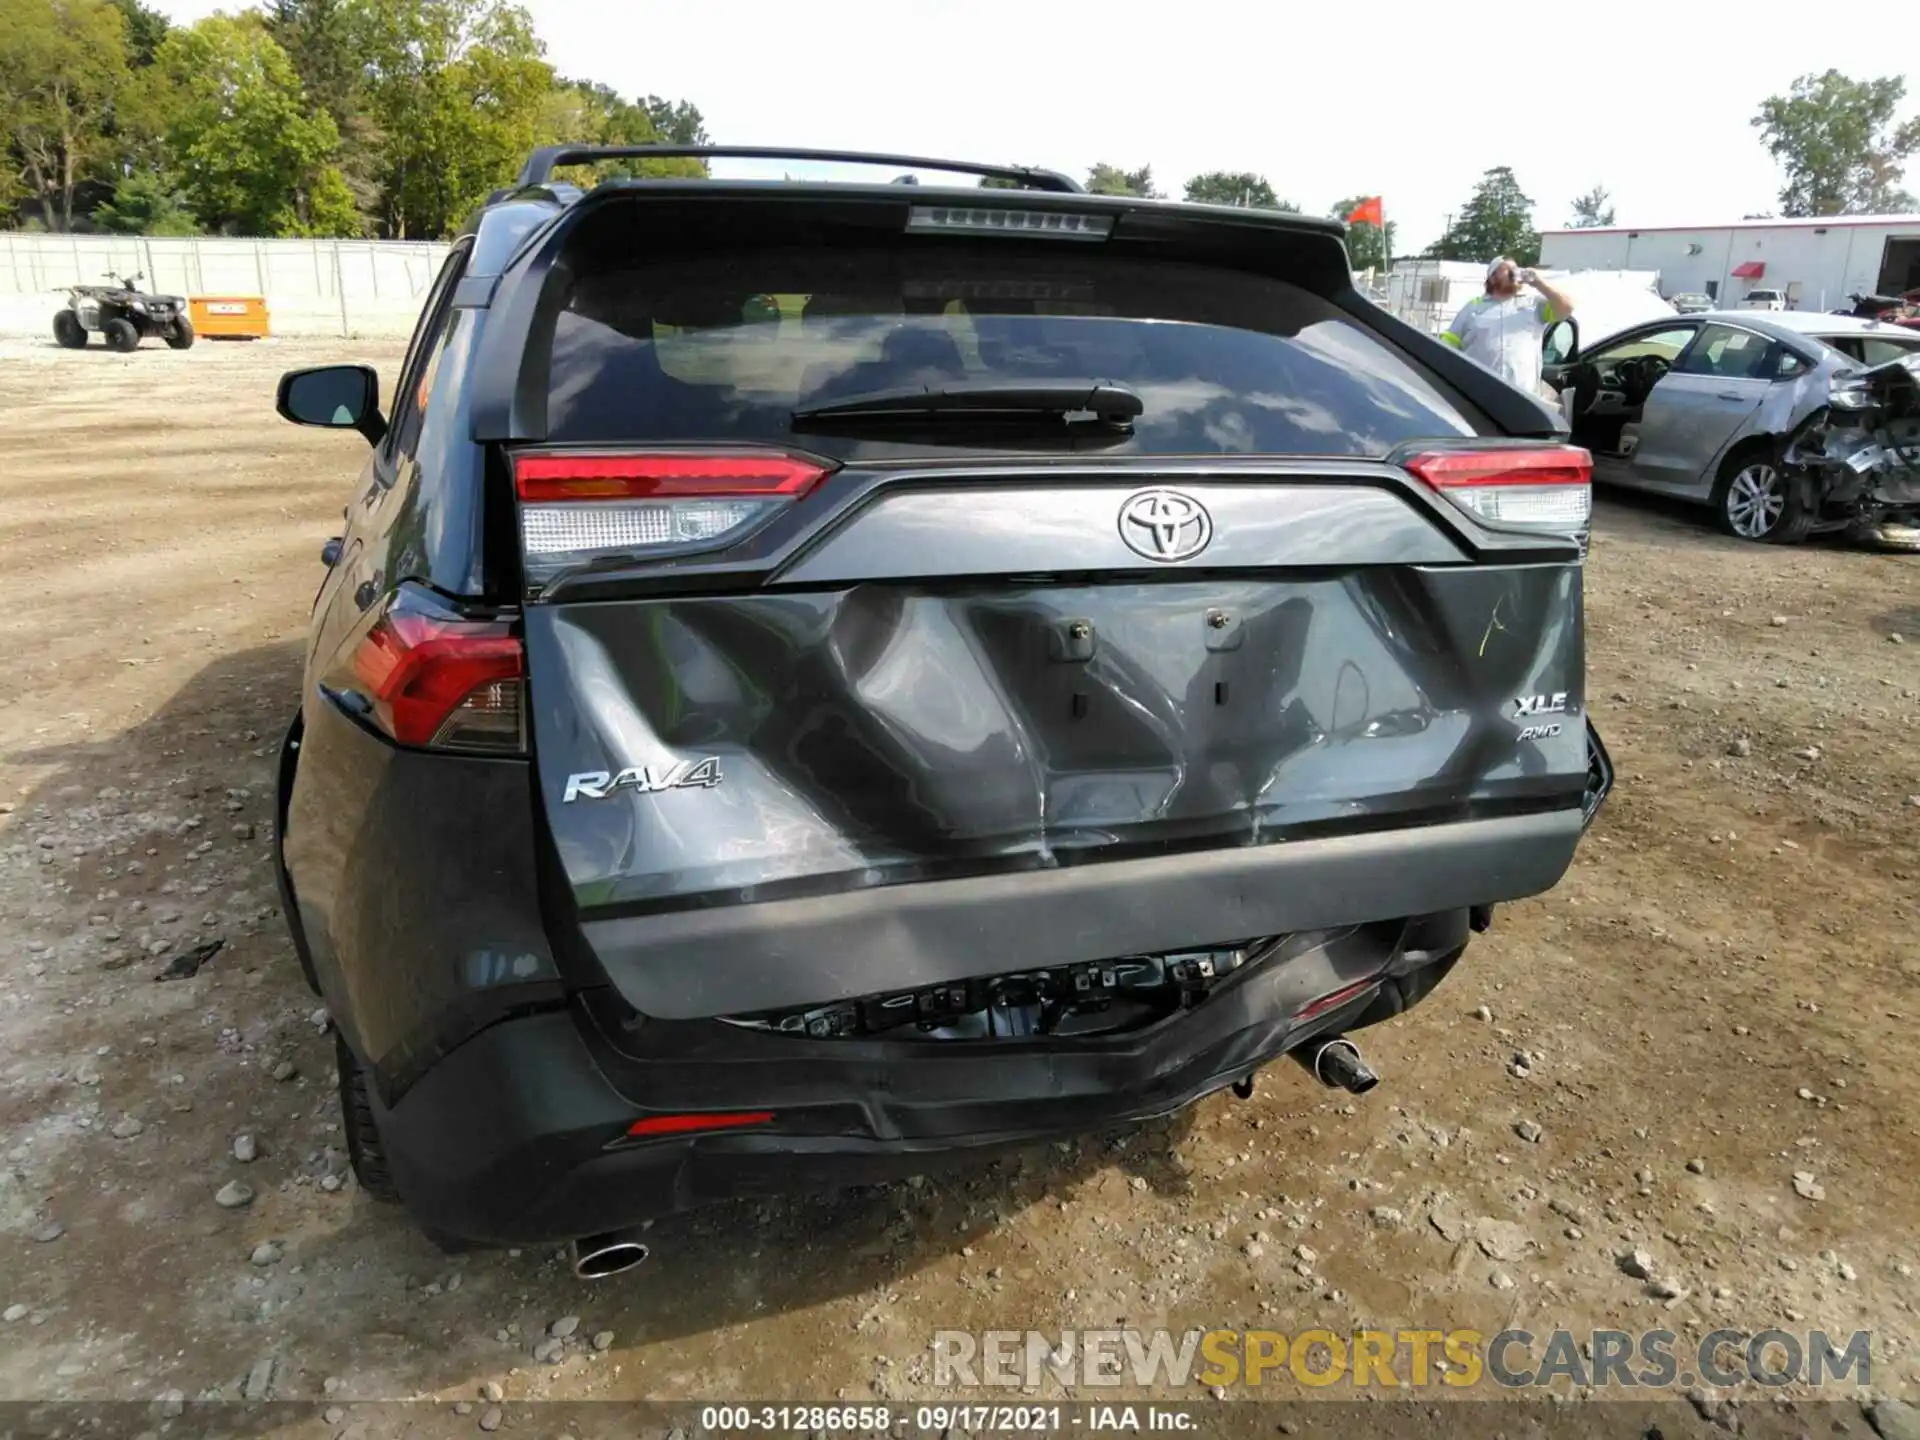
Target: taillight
[576,508]
[1547,487]
[430,675]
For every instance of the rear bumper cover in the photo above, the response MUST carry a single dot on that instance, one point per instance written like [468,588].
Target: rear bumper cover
[515,1137]
[736,959]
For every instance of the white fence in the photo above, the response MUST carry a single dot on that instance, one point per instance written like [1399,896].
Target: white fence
[312,287]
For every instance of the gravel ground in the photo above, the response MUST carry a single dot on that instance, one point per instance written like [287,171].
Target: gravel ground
[1695,1060]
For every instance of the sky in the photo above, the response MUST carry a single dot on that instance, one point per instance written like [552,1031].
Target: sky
[1410,101]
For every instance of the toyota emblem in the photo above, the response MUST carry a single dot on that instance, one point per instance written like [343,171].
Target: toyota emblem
[1165,525]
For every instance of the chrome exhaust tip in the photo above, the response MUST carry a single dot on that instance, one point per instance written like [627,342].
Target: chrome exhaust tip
[1335,1062]
[614,1253]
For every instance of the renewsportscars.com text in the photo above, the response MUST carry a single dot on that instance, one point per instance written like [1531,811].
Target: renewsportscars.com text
[1392,1359]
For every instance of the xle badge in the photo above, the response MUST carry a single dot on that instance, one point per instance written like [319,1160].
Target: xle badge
[701,774]
[1530,705]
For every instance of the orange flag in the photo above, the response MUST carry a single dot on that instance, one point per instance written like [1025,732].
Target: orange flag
[1367,212]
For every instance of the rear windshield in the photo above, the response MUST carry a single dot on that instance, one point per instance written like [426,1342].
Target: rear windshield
[726,346]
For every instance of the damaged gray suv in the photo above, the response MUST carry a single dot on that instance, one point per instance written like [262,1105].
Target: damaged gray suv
[820,678]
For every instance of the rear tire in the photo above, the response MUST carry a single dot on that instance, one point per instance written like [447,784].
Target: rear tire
[1757,500]
[364,1148]
[121,335]
[181,337]
[68,332]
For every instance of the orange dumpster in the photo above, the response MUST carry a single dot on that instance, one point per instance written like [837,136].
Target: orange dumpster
[228,317]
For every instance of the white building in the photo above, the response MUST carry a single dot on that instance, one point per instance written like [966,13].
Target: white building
[1817,263]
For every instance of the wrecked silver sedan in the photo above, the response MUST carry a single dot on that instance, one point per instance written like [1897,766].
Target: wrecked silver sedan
[1707,408]
[1860,452]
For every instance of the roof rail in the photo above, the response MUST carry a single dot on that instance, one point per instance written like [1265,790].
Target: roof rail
[548,158]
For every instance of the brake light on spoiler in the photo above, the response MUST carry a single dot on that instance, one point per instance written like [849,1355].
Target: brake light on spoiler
[577,508]
[1545,487]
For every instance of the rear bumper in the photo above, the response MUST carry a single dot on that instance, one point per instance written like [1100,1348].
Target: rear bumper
[735,959]
[516,1136]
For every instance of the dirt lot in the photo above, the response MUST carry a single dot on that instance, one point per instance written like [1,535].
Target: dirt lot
[1723,995]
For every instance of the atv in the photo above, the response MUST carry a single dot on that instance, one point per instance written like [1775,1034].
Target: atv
[123,315]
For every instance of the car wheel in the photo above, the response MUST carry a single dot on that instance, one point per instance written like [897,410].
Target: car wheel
[120,335]
[1755,500]
[68,331]
[364,1149]
[181,336]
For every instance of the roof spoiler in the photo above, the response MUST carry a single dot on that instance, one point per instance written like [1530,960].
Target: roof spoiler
[543,162]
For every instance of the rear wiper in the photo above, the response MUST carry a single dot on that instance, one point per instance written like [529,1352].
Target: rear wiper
[1013,400]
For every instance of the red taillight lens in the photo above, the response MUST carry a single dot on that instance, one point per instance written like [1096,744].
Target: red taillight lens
[690,1124]
[1547,487]
[627,477]
[433,677]
[577,507]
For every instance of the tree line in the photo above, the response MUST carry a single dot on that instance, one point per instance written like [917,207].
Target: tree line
[387,118]
[395,118]
[1839,143]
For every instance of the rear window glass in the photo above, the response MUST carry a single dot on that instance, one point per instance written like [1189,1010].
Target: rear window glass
[727,346]
[1879,349]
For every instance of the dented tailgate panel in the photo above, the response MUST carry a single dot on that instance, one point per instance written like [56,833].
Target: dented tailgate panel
[723,749]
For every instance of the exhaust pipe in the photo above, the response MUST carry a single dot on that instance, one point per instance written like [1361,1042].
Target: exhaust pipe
[614,1253]
[1335,1062]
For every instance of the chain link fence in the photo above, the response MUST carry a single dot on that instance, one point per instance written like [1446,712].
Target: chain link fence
[312,287]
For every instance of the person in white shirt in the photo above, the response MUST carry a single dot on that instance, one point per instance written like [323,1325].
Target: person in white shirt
[1503,329]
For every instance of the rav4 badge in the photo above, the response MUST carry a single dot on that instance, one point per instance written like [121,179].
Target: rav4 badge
[702,774]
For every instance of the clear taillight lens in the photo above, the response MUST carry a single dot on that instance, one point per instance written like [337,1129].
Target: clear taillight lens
[1548,488]
[578,508]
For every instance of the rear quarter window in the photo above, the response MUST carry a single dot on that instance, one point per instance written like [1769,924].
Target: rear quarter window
[725,347]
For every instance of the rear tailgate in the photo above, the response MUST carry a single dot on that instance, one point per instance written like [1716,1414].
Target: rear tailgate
[822,712]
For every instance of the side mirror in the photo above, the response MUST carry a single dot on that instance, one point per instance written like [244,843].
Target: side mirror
[334,397]
[1562,343]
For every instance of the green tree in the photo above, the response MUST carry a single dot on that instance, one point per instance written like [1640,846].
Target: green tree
[1838,143]
[596,114]
[1366,247]
[1236,187]
[248,148]
[144,204]
[1104,179]
[320,38]
[1593,209]
[325,40]
[145,30]
[63,65]
[677,120]
[458,91]
[1496,220]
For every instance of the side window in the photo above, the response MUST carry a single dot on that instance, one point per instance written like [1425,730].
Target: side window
[410,409]
[1877,350]
[1789,364]
[423,355]
[1667,344]
[1727,353]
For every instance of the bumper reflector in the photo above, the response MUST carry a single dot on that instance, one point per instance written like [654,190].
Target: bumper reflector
[692,1124]
[1333,1000]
